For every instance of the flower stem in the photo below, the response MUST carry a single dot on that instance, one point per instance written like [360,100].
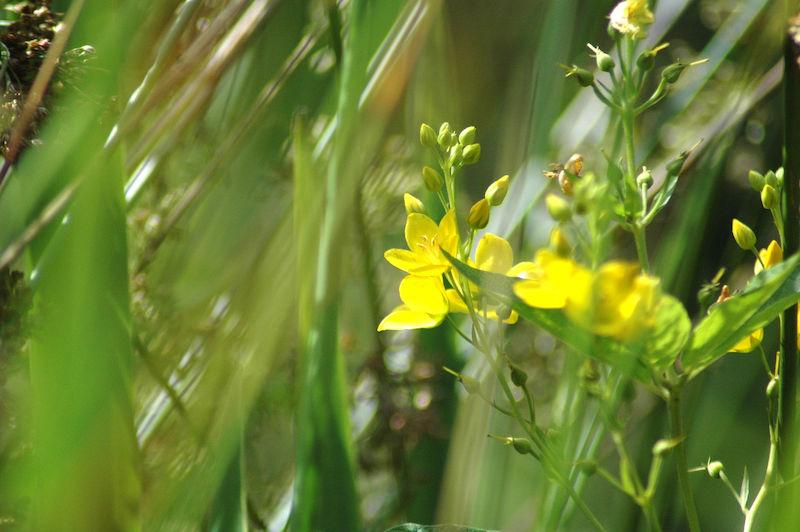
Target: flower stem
[681,465]
[641,247]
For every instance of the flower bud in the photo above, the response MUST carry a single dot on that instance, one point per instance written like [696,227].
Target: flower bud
[559,243]
[433,179]
[604,61]
[644,179]
[779,176]
[444,128]
[427,136]
[518,376]
[456,154]
[671,73]
[581,75]
[769,197]
[472,153]
[744,236]
[467,135]
[771,179]
[496,192]
[522,446]
[445,140]
[558,208]
[647,60]
[756,180]
[714,469]
[413,204]
[772,388]
[479,215]
[662,447]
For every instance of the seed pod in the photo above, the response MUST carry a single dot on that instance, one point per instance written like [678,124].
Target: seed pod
[581,75]
[671,73]
[522,446]
[645,178]
[433,179]
[558,208]
[472,153]
[496,192]
[479,215]
[714,469]
[412,204]
[744,236]
[427,136]
[467,135]
[518,376]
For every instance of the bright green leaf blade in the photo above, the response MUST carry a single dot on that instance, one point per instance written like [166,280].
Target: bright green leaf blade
[766,296]
[413,527]
[669,334]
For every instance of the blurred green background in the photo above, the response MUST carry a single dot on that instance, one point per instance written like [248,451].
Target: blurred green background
[199,217]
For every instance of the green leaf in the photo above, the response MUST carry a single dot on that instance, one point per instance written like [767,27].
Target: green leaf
[413,527]
[766,296]
[658,349]
[615,175]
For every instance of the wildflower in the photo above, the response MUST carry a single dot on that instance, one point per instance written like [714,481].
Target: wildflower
[412,204]
[545,281]
[424,305]
[616,301]
[425,242]
[770,256]
[632,17]
[749,342]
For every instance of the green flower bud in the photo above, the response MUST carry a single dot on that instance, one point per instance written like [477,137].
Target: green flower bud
[472,153]
[496,192]
[558,208]
[769,197]
[444,128]
[644,179]
[456,154]
[467,135]
[604,61]
[671,73]
[647,60]
[744,236]
[433,179]
[581,75]
[756,180]
[427,136]
[445,140]
[479,215]
[518,377]
[662,447]
[412,204]
[779,176]
[771,179]
[714,469]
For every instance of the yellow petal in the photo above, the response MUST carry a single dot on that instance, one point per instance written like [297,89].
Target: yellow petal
[522,270]
[420,232]
[749,342]
[770,256]
[411,263]
[494,254]
[424,294]
[540,294]
[402,318]
[448,233]
[456,303]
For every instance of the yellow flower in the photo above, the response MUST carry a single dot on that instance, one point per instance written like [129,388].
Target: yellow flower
[616,301]
[493,254]
[425,242]
[749,342]
[424,305]
[546,281]
[770,256]
[632,17]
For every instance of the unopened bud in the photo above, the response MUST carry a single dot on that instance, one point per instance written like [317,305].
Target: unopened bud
[771,179]
[444,128]
[472,153]
[779,176]
[479,215]
[456,154]
[413,204]
[769,197]
[645,178]
[427,136]
[604,61]
[558,208]
[467,135]
[671,73]
[559,242]
[522,446]
[433,179]
[647,60]
[496,192]
[744,236]
[756,180]
[714,469]
[445,138]
[581,75]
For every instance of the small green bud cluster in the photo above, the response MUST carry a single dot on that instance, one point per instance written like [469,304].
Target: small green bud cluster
[769,186]
[493,197]
[456,149]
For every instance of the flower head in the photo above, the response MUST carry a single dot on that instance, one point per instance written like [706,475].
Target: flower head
[424,305]
[770,256]
[632,17]
[426,240]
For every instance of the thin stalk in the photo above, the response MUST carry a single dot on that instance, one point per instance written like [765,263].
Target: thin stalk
[750,514]
[641,247]
[681,464]
[650,514]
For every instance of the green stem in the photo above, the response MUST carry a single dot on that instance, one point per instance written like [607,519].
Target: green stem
[650,514]
[750,514]
[641,247]
[681,464]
